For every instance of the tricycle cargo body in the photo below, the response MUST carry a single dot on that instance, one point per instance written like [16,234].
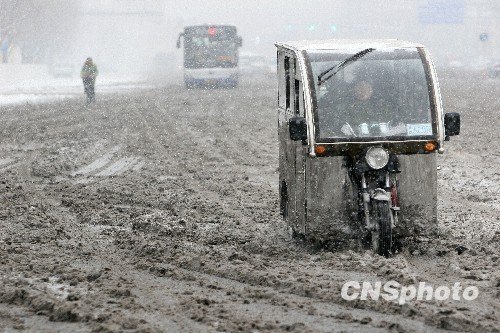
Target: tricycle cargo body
[359,126]
[332,203]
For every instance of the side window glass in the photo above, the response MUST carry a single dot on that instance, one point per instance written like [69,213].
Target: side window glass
[289,86]
[287,80]
[281,80]
[298,91]
[301,100]
[297,97]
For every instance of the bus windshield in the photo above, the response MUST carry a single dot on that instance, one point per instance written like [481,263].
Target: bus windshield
[201,52]
[210,47]
[382,94]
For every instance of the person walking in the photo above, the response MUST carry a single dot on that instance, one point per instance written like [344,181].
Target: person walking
[89,74]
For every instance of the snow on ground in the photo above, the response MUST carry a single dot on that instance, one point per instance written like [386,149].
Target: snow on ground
[30,98]
[34,84]
[158,211]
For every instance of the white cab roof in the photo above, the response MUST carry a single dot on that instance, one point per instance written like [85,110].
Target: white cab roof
[346,44]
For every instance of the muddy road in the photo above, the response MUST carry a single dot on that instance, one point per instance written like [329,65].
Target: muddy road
[157,211]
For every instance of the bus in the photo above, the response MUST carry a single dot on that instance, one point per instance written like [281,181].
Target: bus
[210,55]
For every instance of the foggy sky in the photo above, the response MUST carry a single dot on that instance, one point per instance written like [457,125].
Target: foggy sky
[277,20]
[263,22]
[128,34]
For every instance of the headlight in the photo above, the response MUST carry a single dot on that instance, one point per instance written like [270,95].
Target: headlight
[377,157]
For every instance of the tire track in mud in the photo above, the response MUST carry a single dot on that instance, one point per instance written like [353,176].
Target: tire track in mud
[184,127]
[97,164]
[150,139]
[188,243]
[198,173]
[55,237]
[279,310]
[98,250]
[50,230]
[241,279]
[158,145]
[95,250]
[421,266]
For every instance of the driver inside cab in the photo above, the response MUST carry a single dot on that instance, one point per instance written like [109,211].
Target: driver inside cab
[364,107]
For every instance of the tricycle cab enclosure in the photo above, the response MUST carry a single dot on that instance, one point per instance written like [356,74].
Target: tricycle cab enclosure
[319,155]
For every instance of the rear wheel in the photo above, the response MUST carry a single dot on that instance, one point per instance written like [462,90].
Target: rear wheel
[382,237]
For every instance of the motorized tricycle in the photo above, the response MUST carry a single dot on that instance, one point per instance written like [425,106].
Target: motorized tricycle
[359,123]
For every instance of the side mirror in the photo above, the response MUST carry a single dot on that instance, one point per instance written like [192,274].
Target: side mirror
[298,128]
[451,124]
[239,42]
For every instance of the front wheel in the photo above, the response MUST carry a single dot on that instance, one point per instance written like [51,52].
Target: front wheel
[382,236]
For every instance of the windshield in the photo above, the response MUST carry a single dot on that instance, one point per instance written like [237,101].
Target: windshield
[206,52]
[382,94]
[325,75]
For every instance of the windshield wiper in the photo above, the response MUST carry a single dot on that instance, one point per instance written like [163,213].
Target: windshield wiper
[342,65]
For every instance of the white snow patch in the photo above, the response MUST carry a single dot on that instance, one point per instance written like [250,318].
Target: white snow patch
[31,98]
[97,164]
[24,83]
[119,167]
[5,161]
[59,290]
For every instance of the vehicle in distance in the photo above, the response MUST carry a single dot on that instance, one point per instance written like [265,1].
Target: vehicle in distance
[493,69]
[210,55]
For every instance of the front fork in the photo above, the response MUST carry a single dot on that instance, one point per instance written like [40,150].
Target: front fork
[388,193]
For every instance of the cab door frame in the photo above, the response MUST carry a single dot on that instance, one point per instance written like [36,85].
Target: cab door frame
[291,103]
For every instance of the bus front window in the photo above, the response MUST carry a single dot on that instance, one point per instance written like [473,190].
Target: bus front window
[204,52]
